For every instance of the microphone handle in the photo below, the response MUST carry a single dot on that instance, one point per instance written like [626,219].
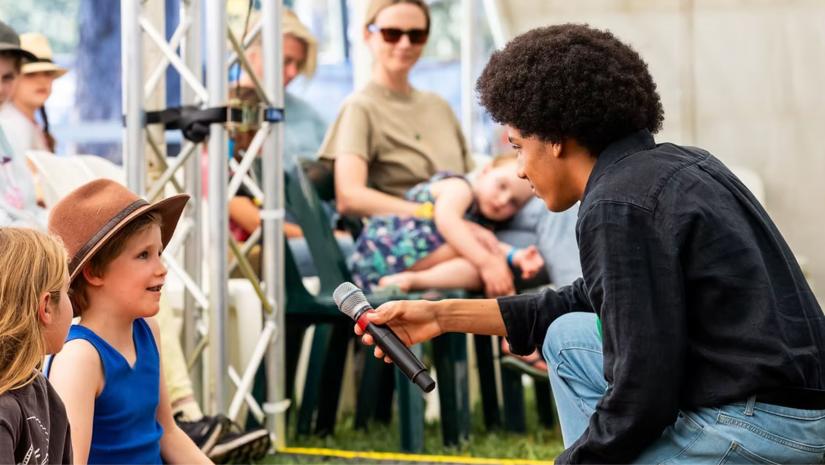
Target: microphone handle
[401,355]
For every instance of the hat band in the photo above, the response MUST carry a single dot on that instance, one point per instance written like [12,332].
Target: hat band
[105,229]
[42,60]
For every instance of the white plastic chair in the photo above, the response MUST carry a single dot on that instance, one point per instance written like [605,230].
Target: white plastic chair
[100,167]
[60,175]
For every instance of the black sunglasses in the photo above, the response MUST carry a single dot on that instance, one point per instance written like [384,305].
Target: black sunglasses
[392,34]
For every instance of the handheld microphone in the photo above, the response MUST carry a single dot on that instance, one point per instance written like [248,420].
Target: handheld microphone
[352,302]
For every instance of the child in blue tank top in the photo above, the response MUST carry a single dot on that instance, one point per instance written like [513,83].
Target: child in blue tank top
[109,372]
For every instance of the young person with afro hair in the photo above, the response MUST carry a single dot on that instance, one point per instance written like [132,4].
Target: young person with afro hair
[693,336]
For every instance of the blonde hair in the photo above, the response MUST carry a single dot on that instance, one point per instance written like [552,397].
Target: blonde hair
[292,25]
[39,265]
[504,158]
[110,251]
[376,6]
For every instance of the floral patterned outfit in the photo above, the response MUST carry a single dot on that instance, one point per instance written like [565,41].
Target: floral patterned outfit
[390,244]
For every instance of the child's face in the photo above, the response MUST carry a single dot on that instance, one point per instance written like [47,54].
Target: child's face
[34,88]
[500,192]
[8,76]
[56,327]
[133,280]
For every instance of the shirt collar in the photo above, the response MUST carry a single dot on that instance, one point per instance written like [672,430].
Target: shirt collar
[616,151]
[378,89]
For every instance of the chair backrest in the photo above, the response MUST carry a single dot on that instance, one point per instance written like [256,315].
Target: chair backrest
[295,291]
[103,168]
[60,175]
[305,206]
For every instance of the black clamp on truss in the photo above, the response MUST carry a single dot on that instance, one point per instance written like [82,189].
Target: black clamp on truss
[194,122]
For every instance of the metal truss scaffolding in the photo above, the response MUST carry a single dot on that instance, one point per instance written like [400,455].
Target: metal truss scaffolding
[206,245]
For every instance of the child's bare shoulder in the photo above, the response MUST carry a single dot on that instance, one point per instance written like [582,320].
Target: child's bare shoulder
[76,353]
[77,370]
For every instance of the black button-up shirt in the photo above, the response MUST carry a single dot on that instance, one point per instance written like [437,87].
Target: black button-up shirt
[701,300]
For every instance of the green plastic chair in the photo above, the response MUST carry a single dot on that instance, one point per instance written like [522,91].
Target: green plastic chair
[328,352]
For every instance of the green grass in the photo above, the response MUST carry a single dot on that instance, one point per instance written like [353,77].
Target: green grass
[537,444]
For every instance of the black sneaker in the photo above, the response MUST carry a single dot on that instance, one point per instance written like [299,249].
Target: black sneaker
[204,432]
[236,446]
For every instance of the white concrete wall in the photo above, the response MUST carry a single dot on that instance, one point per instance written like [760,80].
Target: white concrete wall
[744,79]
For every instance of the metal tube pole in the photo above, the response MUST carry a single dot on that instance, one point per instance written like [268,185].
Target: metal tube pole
[272,217]
[193,253]
[361,58]
[218,222]
[132,79]
[499,30]
[467,46]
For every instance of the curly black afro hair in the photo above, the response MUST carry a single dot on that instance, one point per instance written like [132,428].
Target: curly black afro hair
[571,81]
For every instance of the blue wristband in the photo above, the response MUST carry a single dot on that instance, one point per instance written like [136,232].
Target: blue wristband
[510,255]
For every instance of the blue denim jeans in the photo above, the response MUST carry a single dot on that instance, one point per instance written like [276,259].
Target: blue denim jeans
[742,432]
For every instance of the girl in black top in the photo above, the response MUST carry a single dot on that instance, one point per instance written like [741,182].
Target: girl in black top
[35,314]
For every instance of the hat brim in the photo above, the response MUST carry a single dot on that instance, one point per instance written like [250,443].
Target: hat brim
[25,54]
[169,209]
[41,67]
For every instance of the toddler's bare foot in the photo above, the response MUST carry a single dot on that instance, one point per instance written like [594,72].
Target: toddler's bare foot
[403,281]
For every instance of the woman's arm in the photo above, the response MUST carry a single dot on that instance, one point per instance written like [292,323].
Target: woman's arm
[77,376]
[243,212]
[248,217]
[353,197]
[175,445]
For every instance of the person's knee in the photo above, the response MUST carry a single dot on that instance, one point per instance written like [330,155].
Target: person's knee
[576,328]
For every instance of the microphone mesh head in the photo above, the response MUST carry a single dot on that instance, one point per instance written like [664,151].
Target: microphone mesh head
[349,299]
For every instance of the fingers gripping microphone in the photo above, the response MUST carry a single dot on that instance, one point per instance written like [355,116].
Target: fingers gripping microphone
[352,302]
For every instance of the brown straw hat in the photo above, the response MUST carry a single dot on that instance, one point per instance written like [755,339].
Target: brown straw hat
[89,216]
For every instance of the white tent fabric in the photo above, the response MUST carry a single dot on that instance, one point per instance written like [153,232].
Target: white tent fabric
[741,78]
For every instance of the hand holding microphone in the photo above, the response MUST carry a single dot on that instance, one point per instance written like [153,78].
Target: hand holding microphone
[352,302]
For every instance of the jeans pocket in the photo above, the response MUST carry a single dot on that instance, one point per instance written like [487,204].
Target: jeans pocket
[737,454]
[772,438]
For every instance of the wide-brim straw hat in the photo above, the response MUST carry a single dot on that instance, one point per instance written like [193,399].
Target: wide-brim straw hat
[89,216]
[38,45]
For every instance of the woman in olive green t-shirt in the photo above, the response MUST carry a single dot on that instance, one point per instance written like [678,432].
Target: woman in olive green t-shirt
[389,136]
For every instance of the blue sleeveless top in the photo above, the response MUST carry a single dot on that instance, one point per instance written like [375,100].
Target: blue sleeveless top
[125,427]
